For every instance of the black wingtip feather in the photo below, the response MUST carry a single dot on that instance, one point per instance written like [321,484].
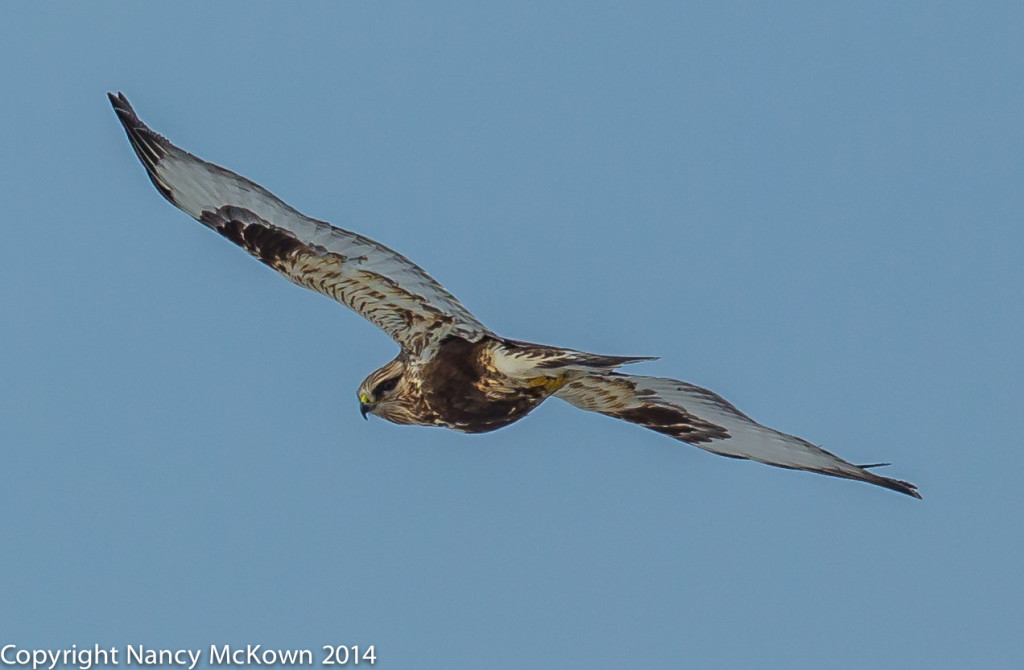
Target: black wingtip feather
[897,485]
[889,483]
[124,111]
[150,147]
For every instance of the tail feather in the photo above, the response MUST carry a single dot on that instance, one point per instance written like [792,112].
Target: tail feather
[538,357]
[583,359]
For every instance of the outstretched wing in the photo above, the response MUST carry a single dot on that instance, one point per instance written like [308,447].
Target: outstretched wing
[387,288]
[704,419]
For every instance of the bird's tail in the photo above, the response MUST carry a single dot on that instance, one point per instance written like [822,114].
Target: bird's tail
[524,359]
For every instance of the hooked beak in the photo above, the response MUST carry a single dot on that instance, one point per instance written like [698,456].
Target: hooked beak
[364,409]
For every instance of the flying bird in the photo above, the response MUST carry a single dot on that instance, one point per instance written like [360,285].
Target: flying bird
[451,370]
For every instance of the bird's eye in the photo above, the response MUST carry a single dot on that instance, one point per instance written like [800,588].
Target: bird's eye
[385,386]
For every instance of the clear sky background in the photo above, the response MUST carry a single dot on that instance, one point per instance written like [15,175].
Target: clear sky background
[817,212]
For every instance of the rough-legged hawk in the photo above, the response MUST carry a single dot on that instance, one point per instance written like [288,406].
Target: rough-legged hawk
[452,371]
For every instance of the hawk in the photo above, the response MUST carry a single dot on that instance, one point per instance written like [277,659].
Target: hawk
[451,370]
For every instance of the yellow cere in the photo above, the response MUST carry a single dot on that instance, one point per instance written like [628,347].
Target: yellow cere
[364,399]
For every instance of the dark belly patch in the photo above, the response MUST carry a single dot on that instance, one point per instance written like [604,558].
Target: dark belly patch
[468,394]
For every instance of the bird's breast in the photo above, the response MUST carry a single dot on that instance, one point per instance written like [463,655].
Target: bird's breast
[467,393]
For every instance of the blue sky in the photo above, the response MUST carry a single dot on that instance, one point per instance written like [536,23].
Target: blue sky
[815,211]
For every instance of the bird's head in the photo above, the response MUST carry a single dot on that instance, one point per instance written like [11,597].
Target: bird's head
[387,393]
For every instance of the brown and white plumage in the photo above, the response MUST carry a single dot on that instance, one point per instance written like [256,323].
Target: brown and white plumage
[452,371]
[383,286]
[705,419]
